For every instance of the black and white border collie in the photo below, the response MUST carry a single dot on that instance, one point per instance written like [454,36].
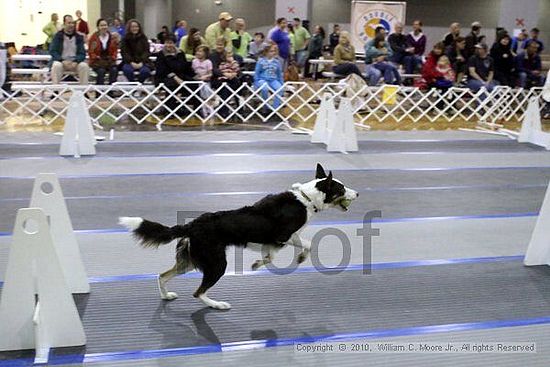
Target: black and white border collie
[271,223]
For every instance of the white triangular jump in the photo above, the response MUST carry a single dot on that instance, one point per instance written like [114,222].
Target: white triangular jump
[342,136]
[531,128]
[78,136]
[48,196]
[326,115]
[37,310]
[538,252]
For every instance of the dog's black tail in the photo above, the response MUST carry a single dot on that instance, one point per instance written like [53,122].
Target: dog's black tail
[152,234]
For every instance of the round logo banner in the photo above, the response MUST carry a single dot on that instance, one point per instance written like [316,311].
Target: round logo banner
[366,16]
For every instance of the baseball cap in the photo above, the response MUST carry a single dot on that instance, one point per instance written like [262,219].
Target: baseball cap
[225,16]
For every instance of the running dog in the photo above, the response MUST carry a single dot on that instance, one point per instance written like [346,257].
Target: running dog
[272,223]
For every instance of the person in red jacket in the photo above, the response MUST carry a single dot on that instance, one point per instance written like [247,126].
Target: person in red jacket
[102,53]
[81,25]
[429,72]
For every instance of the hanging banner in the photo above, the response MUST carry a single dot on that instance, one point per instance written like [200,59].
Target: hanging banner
[291,9]
[367,15]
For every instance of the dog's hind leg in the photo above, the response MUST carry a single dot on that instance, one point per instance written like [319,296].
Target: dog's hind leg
[211,274]
[182,266]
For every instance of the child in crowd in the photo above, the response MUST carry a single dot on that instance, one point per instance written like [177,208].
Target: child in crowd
[269,73]
[256,48]
[229,67]
[202,67]
[445,75]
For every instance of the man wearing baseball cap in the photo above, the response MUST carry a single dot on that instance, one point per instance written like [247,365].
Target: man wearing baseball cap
[219,29]
[472,39]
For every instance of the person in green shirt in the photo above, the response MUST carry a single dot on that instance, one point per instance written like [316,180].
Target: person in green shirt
[219,29]
[240,38]
[51,29]
[189,43]
[301,42]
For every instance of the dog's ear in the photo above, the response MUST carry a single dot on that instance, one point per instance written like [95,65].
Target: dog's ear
[329,179]
[320,173]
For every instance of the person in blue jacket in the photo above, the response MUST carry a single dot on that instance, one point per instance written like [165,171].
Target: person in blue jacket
[269,73]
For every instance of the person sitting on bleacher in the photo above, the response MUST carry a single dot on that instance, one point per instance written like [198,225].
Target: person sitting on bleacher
[173,69]
[501,52]
[68,53]
[534,38]
[344,60]
[417,40]
[257,46]
[135,52]
[481,70]
[403,53]
[378,55]
[189,43]
[269,74]
[102,53]
[529,66]
[457,56]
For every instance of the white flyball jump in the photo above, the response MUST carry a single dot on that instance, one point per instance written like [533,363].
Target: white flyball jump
[37,310]
[334,128]
[531,128]
[538,252]
[78,135]
[47,195]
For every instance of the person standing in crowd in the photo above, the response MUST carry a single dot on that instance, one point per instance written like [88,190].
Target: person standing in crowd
[501,52]
[135,52]
[51,29]
[534,38]
[240,38]
[315,48]
[118,28]
[257,46]
[473,39]
[180,31]
[417,39]
[269,74]
[481,70]
[457,57]
[517,41]
[454,33]
[81,25]
[68,53]
[529,66]
[334,37]
[189,43]
[219,29]
[163,34]
[282,39]
[292,36]
[173,69]
[301,42]
[403,53]
[102,53]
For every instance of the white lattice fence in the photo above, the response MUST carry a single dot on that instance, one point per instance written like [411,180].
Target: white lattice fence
[195,100]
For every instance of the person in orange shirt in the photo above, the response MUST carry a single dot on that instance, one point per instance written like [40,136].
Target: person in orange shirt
[102,53]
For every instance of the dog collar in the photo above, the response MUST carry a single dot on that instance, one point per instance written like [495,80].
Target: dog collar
[315,209]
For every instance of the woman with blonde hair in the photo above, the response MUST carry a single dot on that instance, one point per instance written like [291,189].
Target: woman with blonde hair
[344,56]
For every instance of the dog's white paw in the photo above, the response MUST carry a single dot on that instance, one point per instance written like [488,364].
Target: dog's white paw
[169,296]
[219,305]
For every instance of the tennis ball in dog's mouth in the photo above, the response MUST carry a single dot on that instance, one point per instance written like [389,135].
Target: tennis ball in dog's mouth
[345,203]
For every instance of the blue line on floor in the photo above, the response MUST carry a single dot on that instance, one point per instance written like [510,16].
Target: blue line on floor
[248,345]
[312,269]
[497,140]
[350,222]
[308,171]
[240,193]
[255,193]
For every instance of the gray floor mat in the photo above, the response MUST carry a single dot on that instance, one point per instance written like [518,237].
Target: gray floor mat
[136,149]
[124,316]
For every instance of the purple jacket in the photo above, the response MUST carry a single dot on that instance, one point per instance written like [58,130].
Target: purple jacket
[418,42]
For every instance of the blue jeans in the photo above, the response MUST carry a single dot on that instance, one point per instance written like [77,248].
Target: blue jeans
[411,62]
[273,84]
[144,73]
[100,72]
[301,57]
[390,72]
[535,81]
[475,85]
[372,75]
